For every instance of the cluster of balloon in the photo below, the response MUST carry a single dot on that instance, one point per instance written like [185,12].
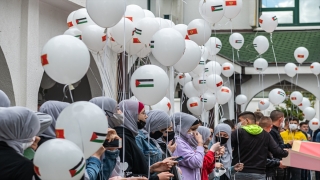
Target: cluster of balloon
[84,124]
[149,84]
[66,160]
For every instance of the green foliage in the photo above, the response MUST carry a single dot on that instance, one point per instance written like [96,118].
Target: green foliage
[293,110]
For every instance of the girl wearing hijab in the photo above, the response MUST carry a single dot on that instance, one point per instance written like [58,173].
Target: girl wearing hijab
[190,147]
[18,128]
[209,160]
[52,108]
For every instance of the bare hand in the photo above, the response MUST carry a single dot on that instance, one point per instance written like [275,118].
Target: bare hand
[112,135]
[218,165]
[172,147]
[222,150]
[34,145]
[215,147]
[163,165]
[238,167]
[291,142]
[99,153]
[130,178]
[165,175]
[198,137]
[282,166]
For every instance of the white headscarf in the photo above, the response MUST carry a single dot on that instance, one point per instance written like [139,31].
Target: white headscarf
[18,125]
[4,100]
[130,112]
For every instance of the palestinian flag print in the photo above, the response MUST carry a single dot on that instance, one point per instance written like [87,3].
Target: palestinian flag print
[98,137]
[255,45]
[216,8]
[78,168]
[152,44]
[138,31]
[78,36]
[238,41]
[202,81]
[274,18]
[218,46]
[281,93]
[204,100]
[144,83]
[81,20]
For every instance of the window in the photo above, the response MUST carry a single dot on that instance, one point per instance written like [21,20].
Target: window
[293,12]
[166,16]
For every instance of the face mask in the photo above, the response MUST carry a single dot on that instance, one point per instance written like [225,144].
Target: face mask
[170,136]
[282,124]
[117,119]
[141,124]
[293,126]
[219,172]
[222,140]
[156,135]
[191,139]
[239,125]
[27,145]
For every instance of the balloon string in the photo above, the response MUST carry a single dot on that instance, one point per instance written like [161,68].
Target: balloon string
[234,72]
[240,72]
[71,94]
[238,133]
[123,86]
[96,79]
[318,80]
[274,55]
[297,76]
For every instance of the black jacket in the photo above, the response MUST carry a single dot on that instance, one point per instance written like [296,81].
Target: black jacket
[14,166]
[278,139]
[253,150]
[315,135]
[272,165]
[174,170]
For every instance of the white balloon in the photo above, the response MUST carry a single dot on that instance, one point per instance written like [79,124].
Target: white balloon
[189,90]
[192,74]
[144,52]
[145,29]
[190,58]
[134,13]
[204,52]
[148,13]
[199,70]
[94,37]
[70,22]
[82,19]
[200,84]
[105,13]
[133,98]
[309,113]
[263,104]
[214,82]
[163,105]
[214,45]
[209,100]
[66,160]
[301,54]
[236,40]
[84,124]
[47,82]
[260,64]
[291,69]
[162,23]
[171,24]
[268,22]
[212,10]
[241,99]
[277,96]
[134,46]
[75,32]
[65,59]
[296,97]
[314,124]
[182,28]
[114,46]
[167,46]
[154,61]
[232,8]
[199,31]
[212,67]
[119,34]
[223,95]
[227,69]
[184,78]
[149,84]
[194,106]
[304,103]
[261,44]
[315,68]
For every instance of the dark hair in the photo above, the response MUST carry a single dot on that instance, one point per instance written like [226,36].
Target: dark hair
[275,115]
[258,115]
[248,115]
[292,118]
[304,123]
[265,121]
[230,123]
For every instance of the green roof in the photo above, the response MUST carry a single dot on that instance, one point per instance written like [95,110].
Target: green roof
[285,44]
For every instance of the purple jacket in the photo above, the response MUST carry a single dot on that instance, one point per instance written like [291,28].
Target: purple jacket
[192,159]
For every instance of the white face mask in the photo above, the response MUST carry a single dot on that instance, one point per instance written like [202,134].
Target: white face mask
[219,172]
[239,125]
[293,126]
[117,119]
[282,124]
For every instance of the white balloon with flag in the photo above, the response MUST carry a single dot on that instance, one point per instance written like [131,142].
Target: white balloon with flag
[194,105]
[232,8]
[214,82]
[212,67]
[182,28]
[227,69]
[82,19]
[200,68]
[134,13]
[199,31]
[209,100]
[309,113]
[301,54]
[277,96]
[184,78]
[296,97]
[163,105]
[190,91]
[200,84]
[261,44]
[305,103]
[315,68]
[314,124]
[236,40]
[223,95]
[291,69]
[212,10]
[263,104]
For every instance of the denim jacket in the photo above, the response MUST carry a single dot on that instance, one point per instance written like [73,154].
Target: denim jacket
[97,170]
[148,148]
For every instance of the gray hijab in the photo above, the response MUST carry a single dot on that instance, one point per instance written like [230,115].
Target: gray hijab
[18,125]
[227,157]
[130,110]
[110,106]
[186,122]
[52,108]
[156,121]
[4,100]
[177,118]
[205,132]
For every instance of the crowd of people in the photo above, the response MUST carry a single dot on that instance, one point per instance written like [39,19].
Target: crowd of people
[157,146]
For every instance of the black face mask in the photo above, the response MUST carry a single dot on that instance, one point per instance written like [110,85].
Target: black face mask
[141,124]
[222,140]
[156,135]
[170,136]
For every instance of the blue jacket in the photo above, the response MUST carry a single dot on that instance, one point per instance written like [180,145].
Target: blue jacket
[97,170]
[148,148]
